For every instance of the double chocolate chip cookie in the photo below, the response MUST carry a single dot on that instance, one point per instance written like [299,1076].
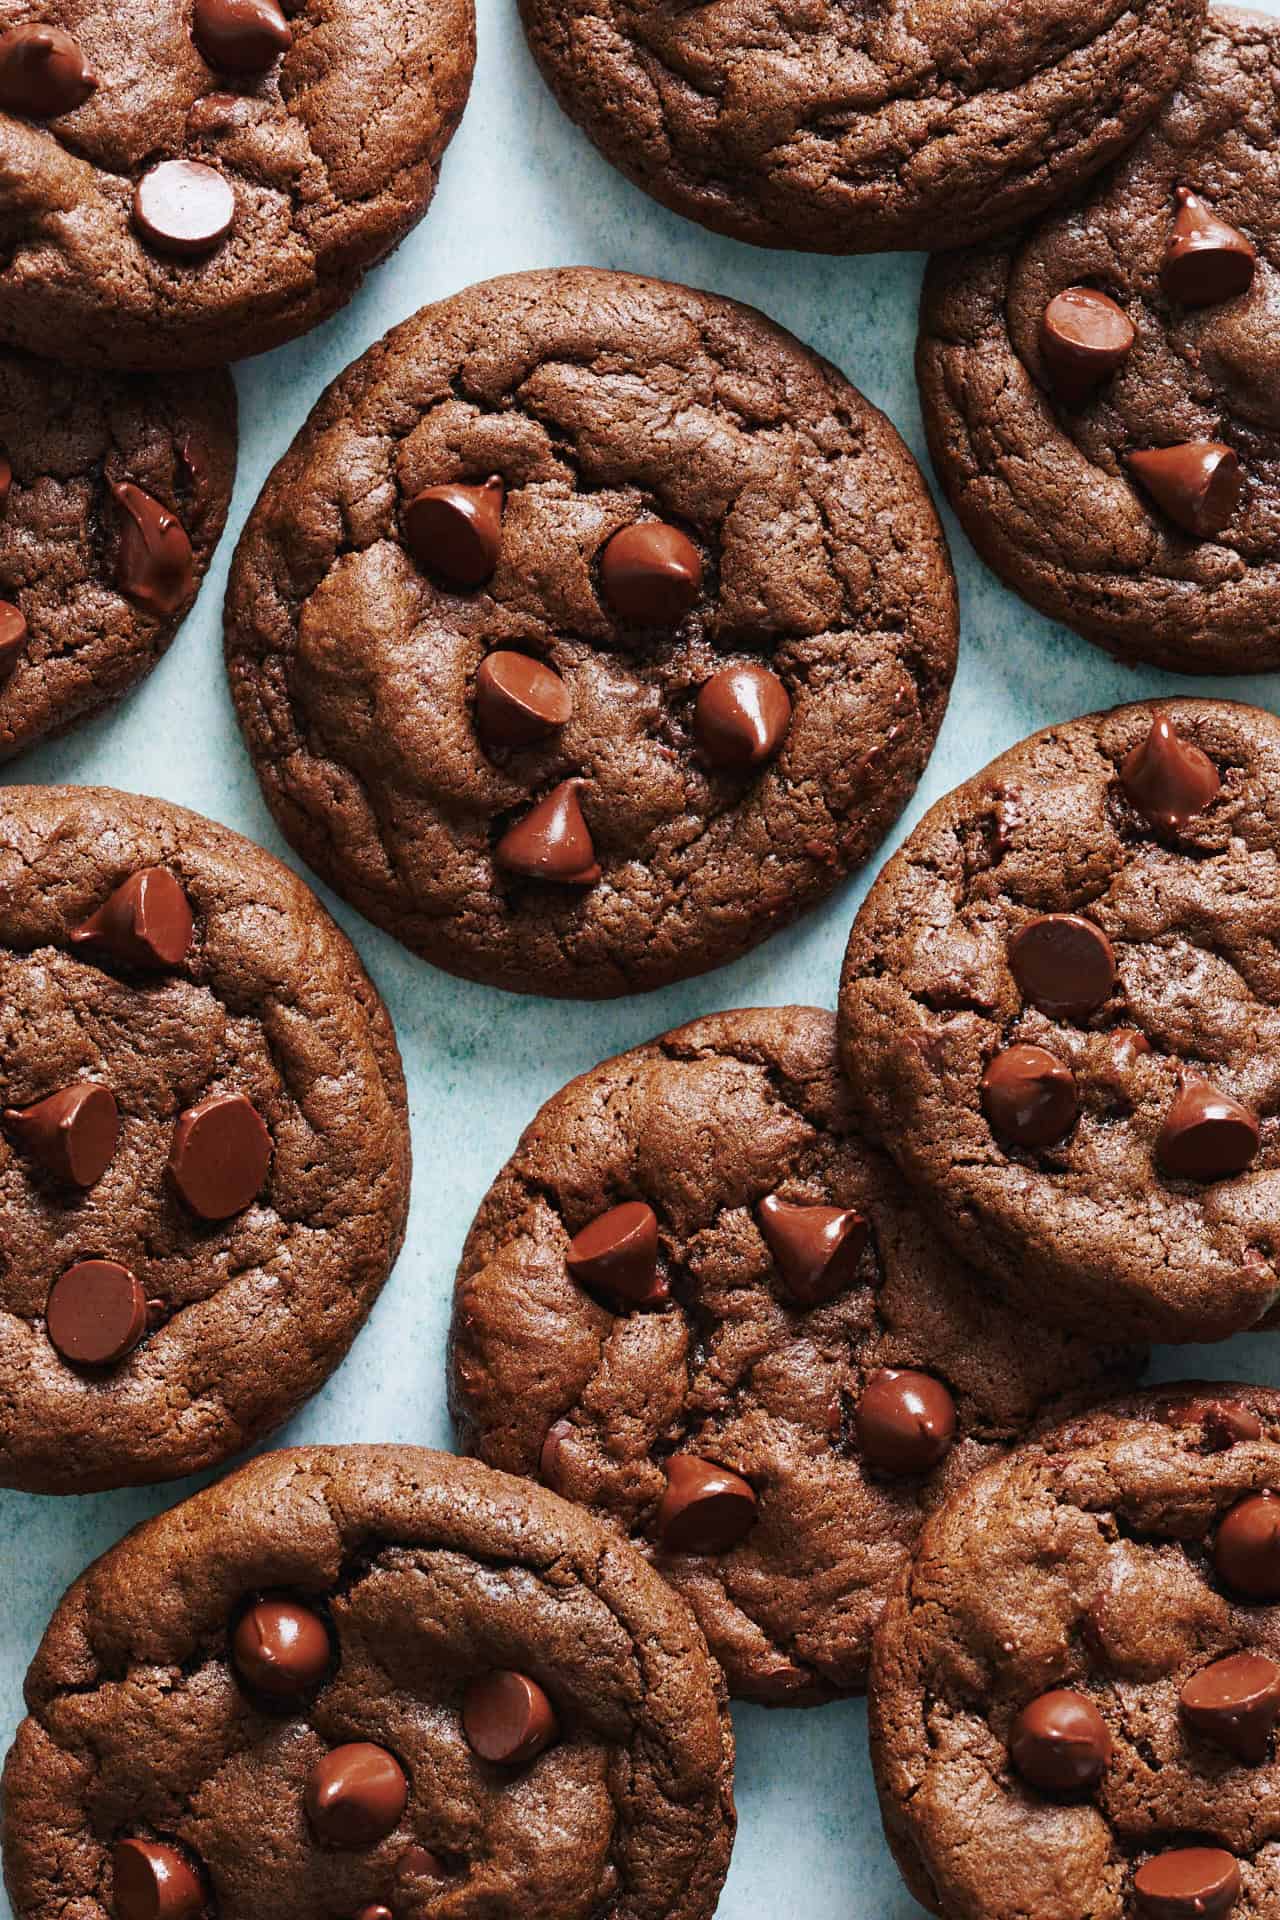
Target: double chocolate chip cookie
[1075,1688]
[1102,392]
[183,182]
[696,1302]
[1061,1014]
[590,629]
[204,1148]
[375,1683]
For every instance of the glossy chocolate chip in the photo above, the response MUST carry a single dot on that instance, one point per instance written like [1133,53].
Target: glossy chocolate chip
[1084,338]
[154,565]
[1197,484]
[1030,1099]
[1167,779]
[1063,964]
[552,842]
[549,1454]
[241,36]
[416,1864]
[356,1795]
[817,1248]
[146,921]
[455,531]
[1126,1045]
[150,1881]
[375,1913]
[1246,1551]
[1190,1883]
[1206,261]
[741,716]
[281,1648]
[43,72]
[1059,1742]
[96,1313]
[220,1154]
[507,1718]
[13,637]
[651,574]
[519,701]
[706,1508]
[617,1254]
[1235,1703]
[73,1133]
[1206,1134]
[905,1421]
[1223,1423]
[183,208]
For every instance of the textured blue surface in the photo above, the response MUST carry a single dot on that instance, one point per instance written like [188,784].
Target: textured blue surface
[521,188]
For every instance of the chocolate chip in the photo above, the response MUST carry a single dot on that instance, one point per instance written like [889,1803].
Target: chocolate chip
[184,208]
[552,842]
[241,36]
[1029,1098]
[507,1718]
[13,637]
[1206,261]
[651,574]
[146,921]
[1235,1703]
[741,716]
[1063,964]
[617,1254]
[1127,1045]
[905,1421]
[375,1913]
[153,1882]
[817,1248]
[356,1795]
[1206,1134]
[1246,1551]
[155,565]
[281,1648]
[220,1154]
[43,72]
[1224,1423]
[549,1455]
[1166,779]
[455,531]
[1060,1743]
[1197,484]
[1084,337]
[705,1509]
[1191,1883]
[96,1313]
[519,701]
[73,1133]
[419,1863]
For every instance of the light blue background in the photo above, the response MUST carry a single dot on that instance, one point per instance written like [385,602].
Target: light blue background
[521,188]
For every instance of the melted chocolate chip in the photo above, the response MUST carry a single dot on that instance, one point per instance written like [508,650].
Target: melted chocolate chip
[817,1248]
[508,1719]
[146,921]
[455,531]
[73,1133]
[1197,484]
[241,36]
[519,701]
[1206,1134]
[1206,261]
[1126,1045]
[706,1508]
[96,1313]
[220,1154]
[1166,779]
[43,72]
[651,574]
[1190,1883]
[150,1881]
[1246,1551]
[155,565]
[1084,338]
[13,637]
[281,1648]
[617,1254]
[1235,1703]
[552,842]
[356,1795]
[905,1421]
[1223,1423]
[1060,1743]
[184,208]
[1029,1098]
[741,716]
[1063,964]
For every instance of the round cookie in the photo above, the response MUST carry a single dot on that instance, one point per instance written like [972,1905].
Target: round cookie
[696,1302]
[370,1681]
[189,181]
[204,1146]
[590,630]
[852,129]
[1102,392]
[1059,1014]
[114,491]
[1075,1686]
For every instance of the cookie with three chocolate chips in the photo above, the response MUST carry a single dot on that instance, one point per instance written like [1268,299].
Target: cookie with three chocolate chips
[371,1682]
[1076,1685]
[696,1302]
[590,630]
[1102,391]
[204,1145]
[1060,1011]
[188,181]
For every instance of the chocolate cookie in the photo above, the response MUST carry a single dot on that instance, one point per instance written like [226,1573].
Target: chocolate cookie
[698,1303]
[1074,1689]
[850,129]
[1061,1014]
[204,1148]
[372,1682]
[187,181]
[590,629]
[114,490]
[1102,392]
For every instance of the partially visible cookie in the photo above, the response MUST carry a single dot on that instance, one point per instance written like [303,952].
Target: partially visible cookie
[696,1302]
[372,1682]
[204,1144]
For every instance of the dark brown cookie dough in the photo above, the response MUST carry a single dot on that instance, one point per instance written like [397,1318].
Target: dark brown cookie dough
[184,182]
[1061,1014]
[728,562]
[1118,464]
[848,129]
[204,1148]
[801,1328]
[1103,1562]
[299,1684]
